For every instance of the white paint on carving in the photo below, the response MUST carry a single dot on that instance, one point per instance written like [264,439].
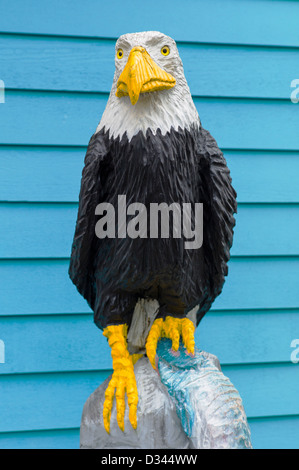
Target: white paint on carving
[162,109]
[144,315]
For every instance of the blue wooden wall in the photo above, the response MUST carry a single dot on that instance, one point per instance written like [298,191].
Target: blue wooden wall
[57,63]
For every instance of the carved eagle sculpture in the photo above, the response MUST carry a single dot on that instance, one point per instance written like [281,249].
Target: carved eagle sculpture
[149,148]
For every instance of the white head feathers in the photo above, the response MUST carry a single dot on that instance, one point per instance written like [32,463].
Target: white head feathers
[161,109]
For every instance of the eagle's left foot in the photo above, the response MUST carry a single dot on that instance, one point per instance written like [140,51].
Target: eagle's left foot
[174,329]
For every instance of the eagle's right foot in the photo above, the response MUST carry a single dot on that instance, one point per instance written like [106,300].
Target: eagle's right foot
[123,379]
[172,328]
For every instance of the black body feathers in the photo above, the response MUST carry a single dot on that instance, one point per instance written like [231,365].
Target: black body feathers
[112,273]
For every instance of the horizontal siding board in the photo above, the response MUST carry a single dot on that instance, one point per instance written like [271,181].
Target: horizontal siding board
[45,401]
[48,344]
[38,286]
[264,176]
[260,283]
[228,21]
[45,63]
[55,401]
[266,390]
[46,230]
[57,63]
[266,230]
[34,230]
[249,333]
[45,439]
[43,286]
[73,343]
[50,174]
[280,432]
[70,119]
[41,174]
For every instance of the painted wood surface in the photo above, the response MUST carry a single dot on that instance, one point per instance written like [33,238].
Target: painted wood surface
[39,230]
[55,118]
[52,174]
[43,286]
[57,398]
[68,342]
[73,64]
[57,63]
[229,21]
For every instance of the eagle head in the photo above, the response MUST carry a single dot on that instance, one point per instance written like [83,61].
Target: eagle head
[149,89]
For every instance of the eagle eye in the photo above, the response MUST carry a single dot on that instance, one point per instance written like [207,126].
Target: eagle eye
[120,54]
[165,50]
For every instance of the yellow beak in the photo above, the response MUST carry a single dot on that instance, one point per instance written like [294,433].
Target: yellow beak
[140,75]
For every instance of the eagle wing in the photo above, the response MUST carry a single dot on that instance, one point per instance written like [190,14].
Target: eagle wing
[96,165]
[219,206]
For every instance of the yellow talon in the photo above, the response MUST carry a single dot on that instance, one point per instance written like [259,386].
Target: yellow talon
[172,328]
[188,330]
[152,340]
[123,378]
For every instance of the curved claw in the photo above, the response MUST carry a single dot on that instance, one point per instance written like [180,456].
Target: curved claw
[108,403]
[174,329]
[120,403]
